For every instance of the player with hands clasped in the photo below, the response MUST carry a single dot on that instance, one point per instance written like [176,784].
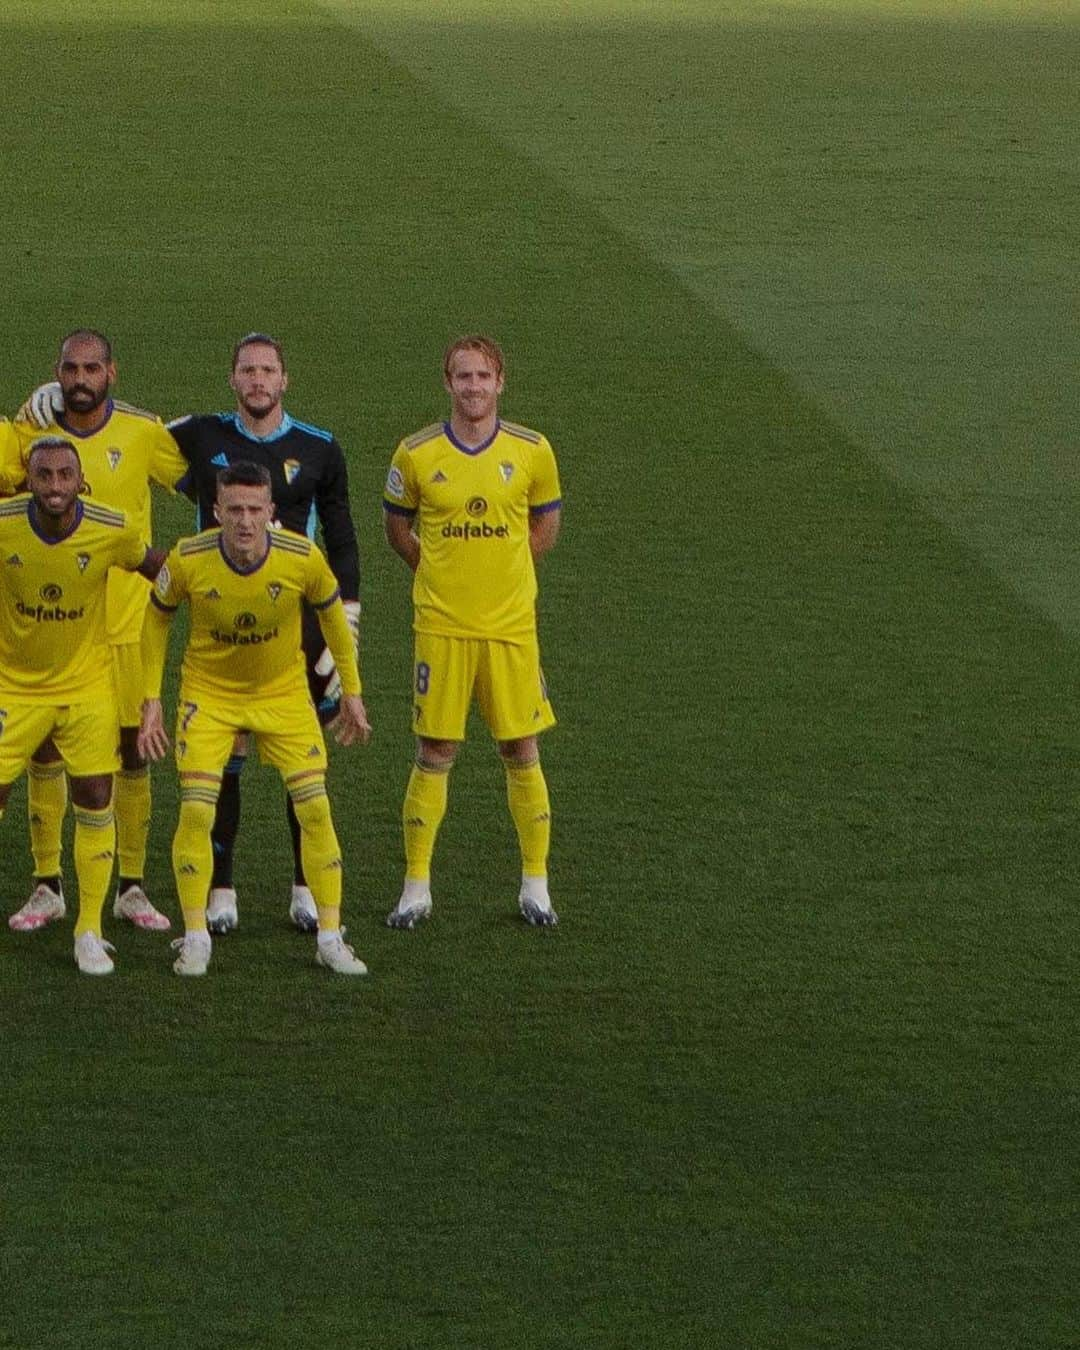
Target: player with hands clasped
[56,676]
[470,504]
[243,671]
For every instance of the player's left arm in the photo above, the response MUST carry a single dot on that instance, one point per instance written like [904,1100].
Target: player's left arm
[169,468]
[335,517]
[165,598]
[545,501]
[351,724]
[152,563]
[544,530]
[343,556]
[12,469]
[152,741]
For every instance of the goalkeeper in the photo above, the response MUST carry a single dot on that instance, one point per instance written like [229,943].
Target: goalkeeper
[309,486]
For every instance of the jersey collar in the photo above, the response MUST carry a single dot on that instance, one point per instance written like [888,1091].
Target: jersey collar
[470,449]
[82,435]
[287,425]
[240,571]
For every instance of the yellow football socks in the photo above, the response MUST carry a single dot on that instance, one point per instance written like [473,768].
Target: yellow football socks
[320,852]
[193,854]
[527,794]
[422,814]
[47,797]
[132,800]
[95,850]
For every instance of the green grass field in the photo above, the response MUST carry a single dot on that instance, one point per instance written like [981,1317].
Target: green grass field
[790,289]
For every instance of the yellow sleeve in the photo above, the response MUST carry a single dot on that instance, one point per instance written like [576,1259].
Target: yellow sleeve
[12,471]
[324,595]
[544,489]
[400,493]
[165,599]
[167,464]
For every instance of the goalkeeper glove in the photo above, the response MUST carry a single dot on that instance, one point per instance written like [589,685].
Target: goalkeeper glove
[325,664]
[43,406]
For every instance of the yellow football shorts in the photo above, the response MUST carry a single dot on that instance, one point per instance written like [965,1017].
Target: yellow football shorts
[504,677]
[86,734]
[286,731]
[129,682]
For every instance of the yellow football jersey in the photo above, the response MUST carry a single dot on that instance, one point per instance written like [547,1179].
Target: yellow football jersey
[12,473]
[119,460]
[53,642]
[245,626]
[476,577]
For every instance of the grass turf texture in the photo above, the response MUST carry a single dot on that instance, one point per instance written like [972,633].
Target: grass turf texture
[797,1068]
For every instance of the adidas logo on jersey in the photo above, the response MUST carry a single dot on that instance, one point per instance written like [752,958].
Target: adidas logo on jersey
[220,460]
[439,477]
[14,561]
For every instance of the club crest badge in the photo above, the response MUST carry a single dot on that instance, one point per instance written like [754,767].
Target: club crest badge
[274,590]
[113,456]
[292,470]
[82,561]
[506,469]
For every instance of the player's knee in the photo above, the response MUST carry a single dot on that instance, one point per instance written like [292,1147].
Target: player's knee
[314,812]
[520,754]
[196,817]
[93,793]
[437,756]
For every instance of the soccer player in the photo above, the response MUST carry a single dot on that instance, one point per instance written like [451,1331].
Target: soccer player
[243,671]
[123,450]
[309,484]
[56,679]
[470,504]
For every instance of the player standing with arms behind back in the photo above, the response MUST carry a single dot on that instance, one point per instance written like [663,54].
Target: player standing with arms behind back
[470,504]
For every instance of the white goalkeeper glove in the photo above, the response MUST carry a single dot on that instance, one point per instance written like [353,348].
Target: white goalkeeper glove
[43,406]
[325,664]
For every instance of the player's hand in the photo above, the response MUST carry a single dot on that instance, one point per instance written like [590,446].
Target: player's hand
[325,664]
[351,724]
[43,406]
[152,741]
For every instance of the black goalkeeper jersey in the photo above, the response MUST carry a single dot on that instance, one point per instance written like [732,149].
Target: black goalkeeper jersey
[308,480]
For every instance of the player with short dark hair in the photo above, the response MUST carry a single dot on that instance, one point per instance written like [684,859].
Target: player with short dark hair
[123,451]
[470,504]
[56,678]
[309,485]
[245,584]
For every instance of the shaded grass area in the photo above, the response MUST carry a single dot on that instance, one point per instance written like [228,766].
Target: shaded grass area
[795,1069]
[878,195]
